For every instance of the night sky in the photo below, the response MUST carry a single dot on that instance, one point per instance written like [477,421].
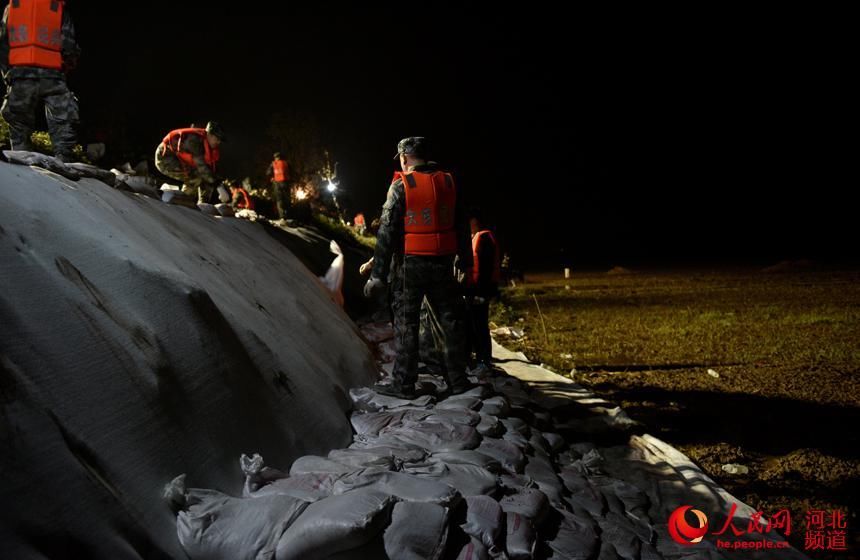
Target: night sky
[592,139]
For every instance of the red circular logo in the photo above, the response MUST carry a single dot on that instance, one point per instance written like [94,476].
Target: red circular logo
[684,533]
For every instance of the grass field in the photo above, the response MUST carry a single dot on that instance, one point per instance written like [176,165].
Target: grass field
[782,396]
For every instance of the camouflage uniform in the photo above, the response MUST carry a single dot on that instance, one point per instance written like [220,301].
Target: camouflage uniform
[200,178]
[416,277]
[28,87]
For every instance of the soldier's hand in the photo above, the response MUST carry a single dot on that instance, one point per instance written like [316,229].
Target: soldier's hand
[365,268]
[372,286]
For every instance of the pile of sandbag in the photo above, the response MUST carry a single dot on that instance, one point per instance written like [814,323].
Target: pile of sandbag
[472,476]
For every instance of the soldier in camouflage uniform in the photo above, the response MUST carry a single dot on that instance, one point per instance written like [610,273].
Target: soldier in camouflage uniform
[189,155]
[424,229]
[37,47]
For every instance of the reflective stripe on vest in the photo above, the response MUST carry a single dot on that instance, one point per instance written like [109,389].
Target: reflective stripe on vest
[429,214]
[496,273]
[35,29]
[280,171]
[173,142]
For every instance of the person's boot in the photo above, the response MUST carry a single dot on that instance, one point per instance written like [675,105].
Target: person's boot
[396,389]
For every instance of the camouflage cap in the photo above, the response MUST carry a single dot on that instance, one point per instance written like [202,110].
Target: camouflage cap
[412,146]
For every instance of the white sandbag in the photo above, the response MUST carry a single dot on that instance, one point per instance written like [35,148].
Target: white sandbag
[490,426]
[528,502]
[434,436]
[404,486]
[509,455]
[582,493]
[473,550]
[366,399]
[469,480]
[540,468]
[468,457]
[418,531]
[310,487]
[257,474]
[219,527]
[485,521]
[520,538]
[496,406]
[335,524]
[316,464]
[576,538]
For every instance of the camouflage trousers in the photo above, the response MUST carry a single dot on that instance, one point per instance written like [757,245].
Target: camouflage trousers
[168,164]
[24,97]
[281,192]
[432,277]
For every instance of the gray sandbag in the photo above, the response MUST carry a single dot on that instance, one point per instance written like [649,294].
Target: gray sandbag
[582,493]
[473,550]
[516,425]
[490,426]
[373,422]
[335,524]
[616,529]
[315,464]
[418,531]
[528,502]
[516,482]
[468,457]
[485,521]
[496,406]
[540,468]
[401,454]
[518,439]
[367,399]
[555,441]
[520,538]
[539,444]
[576,538]
[405,486]
[459,402]
[216,526]
[364,458]
[257,474]
[434,436]
[509,455]
[310,487]
[464,416]
[469,480]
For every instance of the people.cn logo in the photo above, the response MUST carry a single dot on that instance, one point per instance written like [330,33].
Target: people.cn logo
[684,533]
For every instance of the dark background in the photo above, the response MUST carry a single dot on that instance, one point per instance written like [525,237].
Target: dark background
[628,138]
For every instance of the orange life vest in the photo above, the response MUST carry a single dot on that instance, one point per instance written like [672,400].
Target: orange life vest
[496,273]
[280,171]
[429,215]
[173,142]
[35,29]
[246,201]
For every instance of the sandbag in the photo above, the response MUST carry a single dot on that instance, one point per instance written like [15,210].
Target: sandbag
[490,426]
[404,486]
[468,457]
[469,480]
[520,538]
[367,399]
[496,406]
[434,436]
[528,502]
[576,538]
[485,521]
[216,526]
[418,531]
[335,524]
[507,454]
[310,487]
[540,468]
